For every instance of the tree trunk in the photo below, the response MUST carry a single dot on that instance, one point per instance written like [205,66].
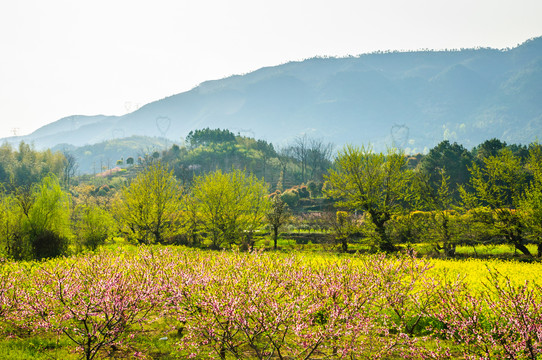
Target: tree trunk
[385,242]
[521,247]
[275,236]
[387,246]
[344,242]
[516,239]
[449,250]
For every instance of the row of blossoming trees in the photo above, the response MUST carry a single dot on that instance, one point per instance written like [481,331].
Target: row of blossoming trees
[269,306]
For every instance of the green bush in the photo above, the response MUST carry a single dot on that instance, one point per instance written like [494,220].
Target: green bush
[93,225]
[303,192]
[48,244]
[290,197]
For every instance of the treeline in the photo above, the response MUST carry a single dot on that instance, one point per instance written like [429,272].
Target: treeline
[302,160]
[220,189]
[218,210]
[25,166]
[492,195]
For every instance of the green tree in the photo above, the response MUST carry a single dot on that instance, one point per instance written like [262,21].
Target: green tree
[531,201]
[440,230]
[26,166]
[45,219]
[453,158]
[93,225]
[375,183]
[11,241]
[207,136]
[230,206]
[498,186]
[267,152]
[489,148]
[148,209]
[343,226]
[278,216]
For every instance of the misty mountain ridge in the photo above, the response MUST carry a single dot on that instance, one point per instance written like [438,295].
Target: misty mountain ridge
[412,100]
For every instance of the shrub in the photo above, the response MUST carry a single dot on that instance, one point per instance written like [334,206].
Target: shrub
[290,197]
[303,192]
[48,244]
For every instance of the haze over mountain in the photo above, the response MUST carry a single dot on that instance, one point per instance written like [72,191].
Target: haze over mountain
[412,100]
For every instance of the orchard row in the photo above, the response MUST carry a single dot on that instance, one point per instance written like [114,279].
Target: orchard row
[272,306]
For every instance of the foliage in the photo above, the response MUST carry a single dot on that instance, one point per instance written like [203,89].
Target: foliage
[489,148]
[12,245]
[440,224]
[208,150]
[229,206]
[290,197]
[454,159]
[531,201]
[207,136]
[315,188]
[44,212]
[148,209]
[278,216]
[500,201]
[26,166]
[343,226]
[370,182]
[94,225]
[499,185]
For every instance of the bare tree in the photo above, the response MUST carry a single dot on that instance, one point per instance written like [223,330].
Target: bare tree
[284,156]
[319,157]
[311,153]
[300,152]
[70,167]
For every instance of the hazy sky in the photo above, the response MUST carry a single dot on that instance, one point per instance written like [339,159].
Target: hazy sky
[60,58]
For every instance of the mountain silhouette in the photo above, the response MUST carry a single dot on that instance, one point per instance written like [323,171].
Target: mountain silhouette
[411,100]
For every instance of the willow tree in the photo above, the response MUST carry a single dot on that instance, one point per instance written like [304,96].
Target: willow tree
[375,183]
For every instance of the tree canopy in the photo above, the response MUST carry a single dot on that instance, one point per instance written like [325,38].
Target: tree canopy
[376,183]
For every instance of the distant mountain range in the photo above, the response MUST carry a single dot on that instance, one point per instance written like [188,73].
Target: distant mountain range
[412,100]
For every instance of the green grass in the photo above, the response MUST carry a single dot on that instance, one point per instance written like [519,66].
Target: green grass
[36,346]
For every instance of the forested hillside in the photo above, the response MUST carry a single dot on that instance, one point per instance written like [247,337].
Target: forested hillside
[411,100]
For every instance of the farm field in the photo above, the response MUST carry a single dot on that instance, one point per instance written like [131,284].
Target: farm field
[163,302]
